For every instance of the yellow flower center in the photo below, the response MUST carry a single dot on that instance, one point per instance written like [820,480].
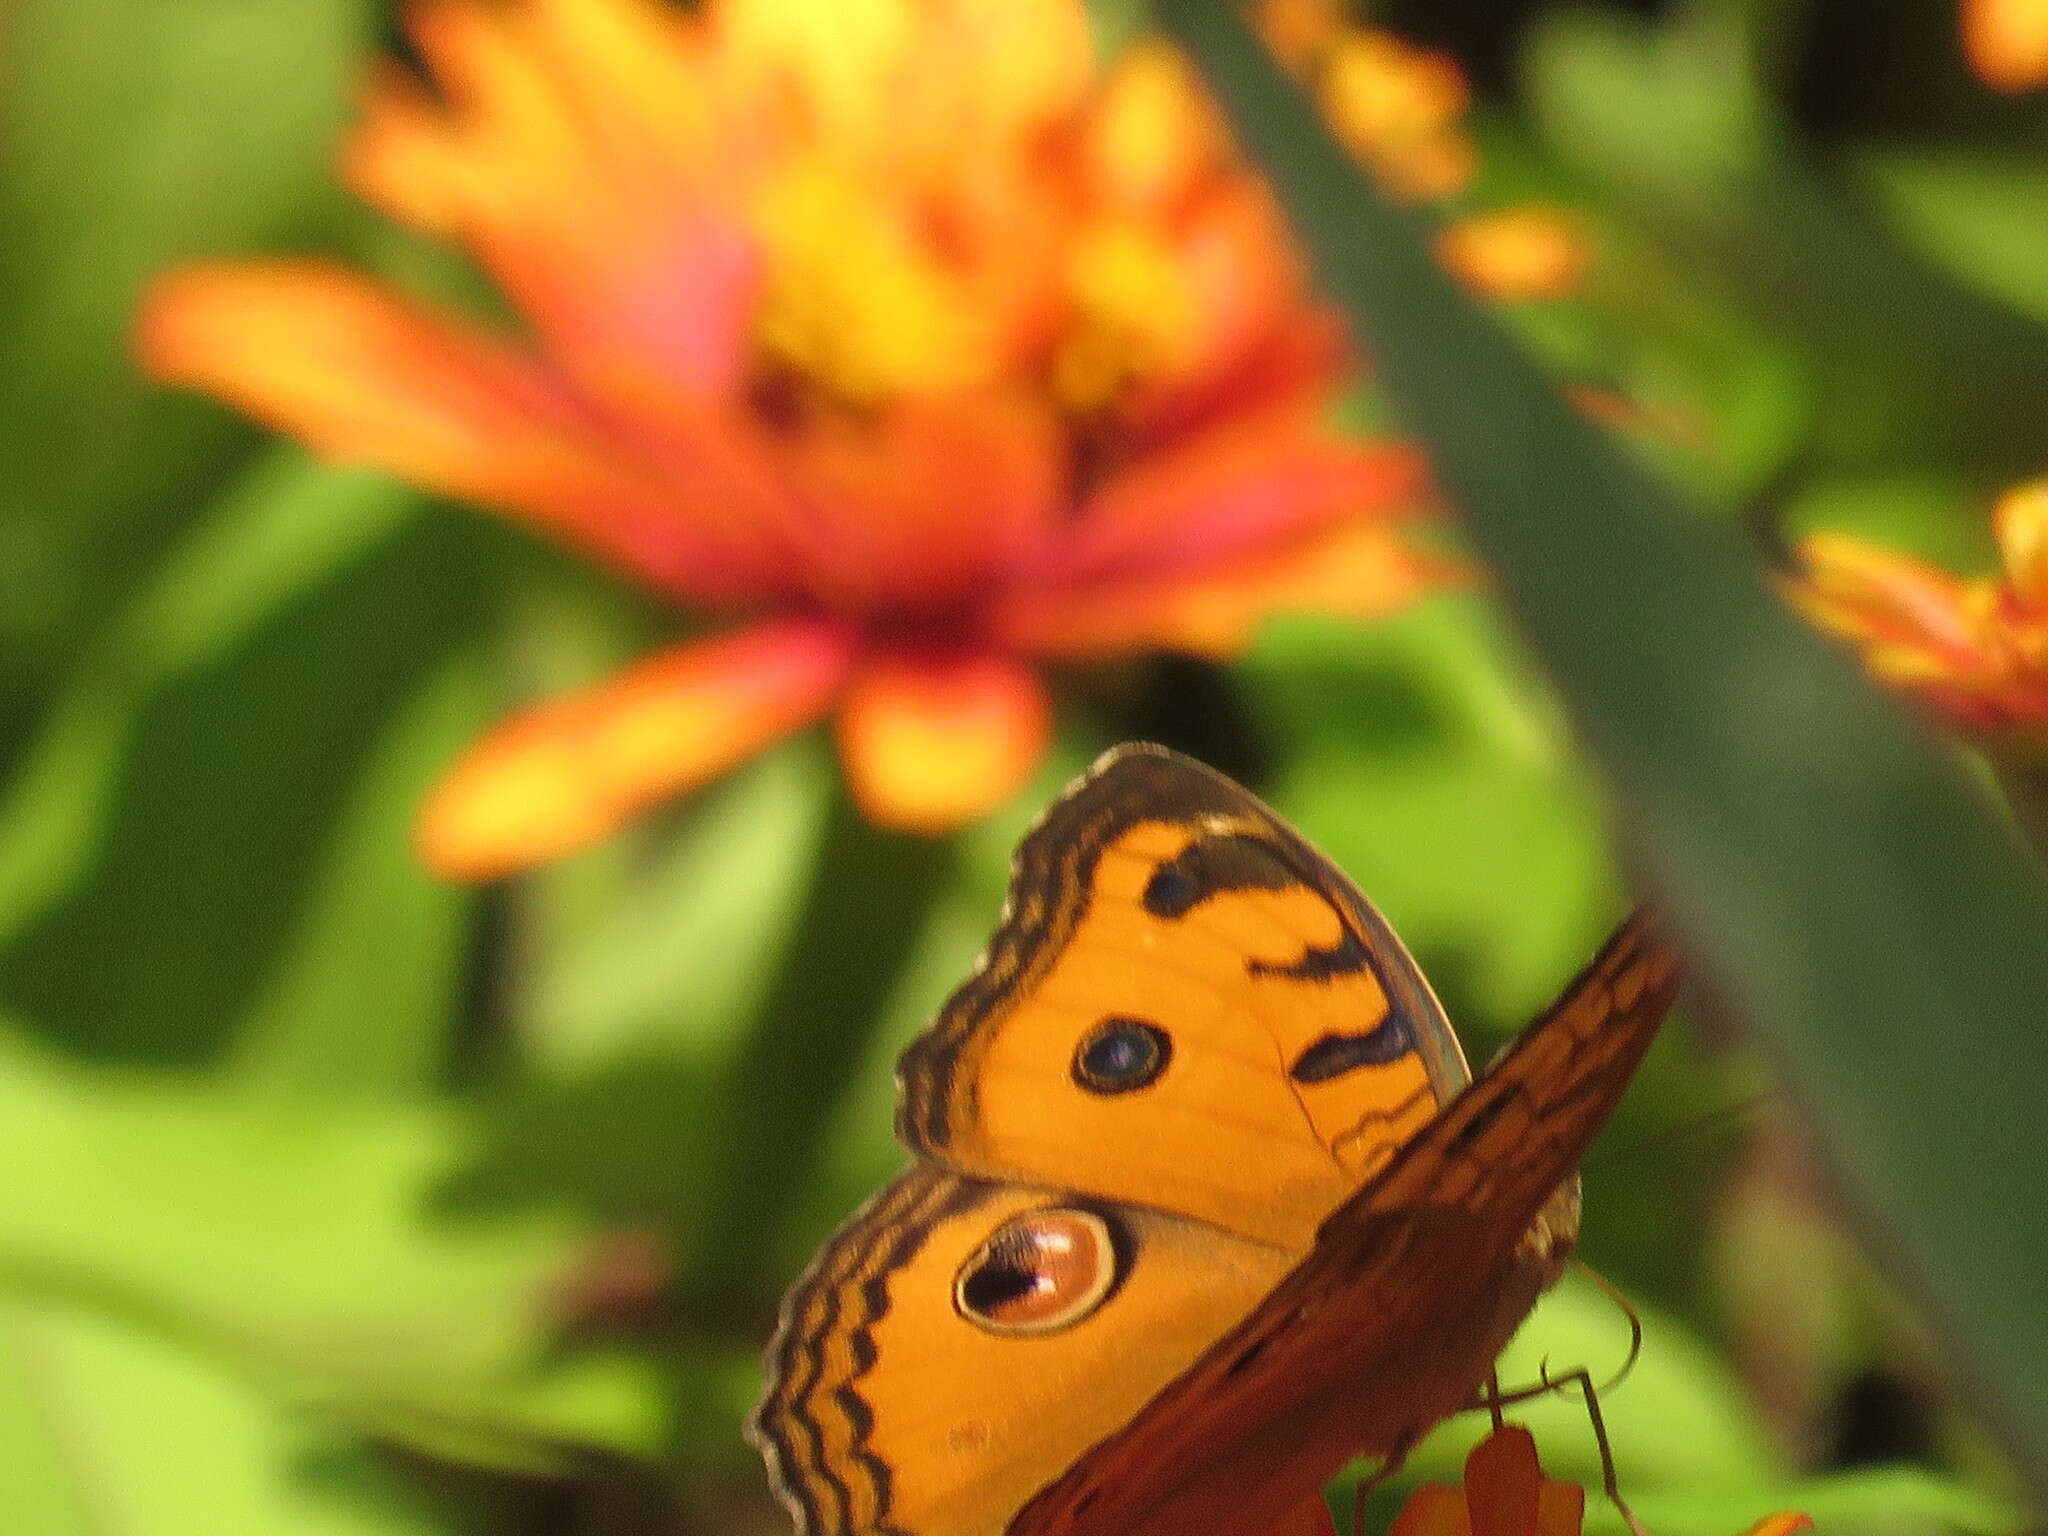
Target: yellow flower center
[1135,315]
[853,300]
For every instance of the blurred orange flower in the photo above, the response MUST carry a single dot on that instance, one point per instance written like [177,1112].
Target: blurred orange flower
[1506,1494]
[899,329]
[2006,42]
[1977,650]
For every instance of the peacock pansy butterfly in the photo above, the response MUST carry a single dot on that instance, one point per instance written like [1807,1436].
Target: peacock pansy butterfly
[1204,1199]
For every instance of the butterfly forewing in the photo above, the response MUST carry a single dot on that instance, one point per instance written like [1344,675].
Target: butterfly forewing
[1176,969]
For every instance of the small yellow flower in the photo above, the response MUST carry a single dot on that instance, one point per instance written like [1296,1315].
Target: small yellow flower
[1516,253]
[2006,42]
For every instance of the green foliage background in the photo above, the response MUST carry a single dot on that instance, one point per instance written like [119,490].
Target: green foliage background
[338,1201]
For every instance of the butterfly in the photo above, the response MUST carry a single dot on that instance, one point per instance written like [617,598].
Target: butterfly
[1204,1200]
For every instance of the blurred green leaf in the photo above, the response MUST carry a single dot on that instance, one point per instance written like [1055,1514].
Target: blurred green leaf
[1876,1501]
[299,1247]
[1687,1452]
[230,776]
[640,967]
[1679,1421]
[1833,872]
[110,1431]
[1672,117]
[289,525]
[1979,211]
[673,949]
[870,895]
[366,990]
[137,134]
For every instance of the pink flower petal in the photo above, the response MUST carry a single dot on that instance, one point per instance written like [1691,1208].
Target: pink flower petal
[361,374]
[1248,488]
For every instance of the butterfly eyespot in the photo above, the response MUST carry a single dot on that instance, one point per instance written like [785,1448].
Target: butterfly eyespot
[1121,1054]
[1038,1273]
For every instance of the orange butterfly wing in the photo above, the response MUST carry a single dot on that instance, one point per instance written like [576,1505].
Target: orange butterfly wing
[1190,1042]
[1159,908]
[1414,1286]
[890,1411]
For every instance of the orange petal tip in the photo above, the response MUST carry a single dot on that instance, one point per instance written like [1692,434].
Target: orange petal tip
[563,776]
[1781,1525]
[932,743]
[1516,253]
[2006,43]
[1433,1510]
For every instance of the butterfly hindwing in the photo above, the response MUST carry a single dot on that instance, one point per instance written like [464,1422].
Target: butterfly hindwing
[919,1384]
[1176,970]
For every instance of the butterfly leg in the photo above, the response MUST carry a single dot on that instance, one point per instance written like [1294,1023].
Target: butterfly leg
[1583,1380]
[1392,1464]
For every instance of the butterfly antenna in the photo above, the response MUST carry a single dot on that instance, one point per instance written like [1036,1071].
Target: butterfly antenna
[1614,1294]
[1493,1398]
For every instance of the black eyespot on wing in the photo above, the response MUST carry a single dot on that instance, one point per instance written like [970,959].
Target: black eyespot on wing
[1171,892]
[1005,1277]
[1334,1055]
[1121,1055]
[1229,861]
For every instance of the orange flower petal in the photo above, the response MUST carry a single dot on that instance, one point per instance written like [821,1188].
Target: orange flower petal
[572,146]
[563,775]
[1865,593]
[1516,253]
[1299,31]
[1780,1525]
[1502,1483]
[360,374]
[1311,1517]
[1560,1509]
[1236,491]
[1153,133]
[1399,108]
[1247,290]
[2006,42]
[2020,522]
[1434,1510]
[934,500]
[1363,571]
[932,742]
